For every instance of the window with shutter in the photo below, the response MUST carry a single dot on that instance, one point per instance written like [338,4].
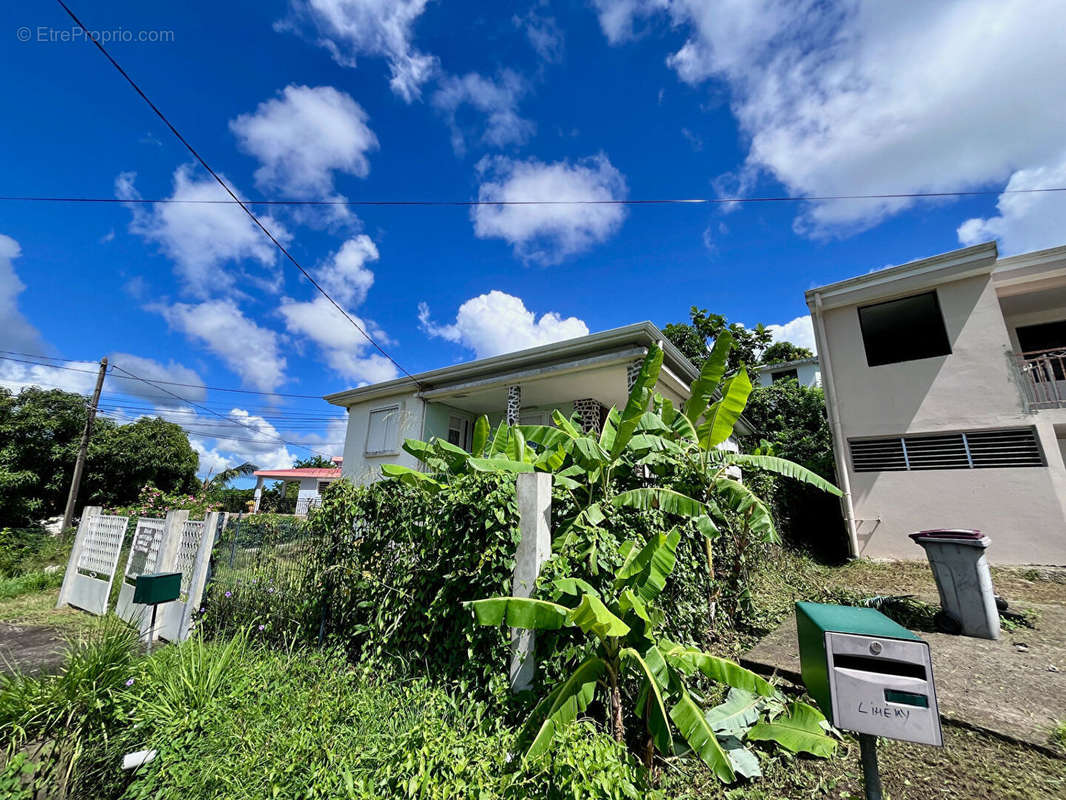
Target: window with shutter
[382,430]
[1011,447]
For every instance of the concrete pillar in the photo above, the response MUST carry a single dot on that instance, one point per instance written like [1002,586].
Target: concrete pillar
[514,404]
[166,562]
[534,494]
[75,553]
[589,410]
[258,493]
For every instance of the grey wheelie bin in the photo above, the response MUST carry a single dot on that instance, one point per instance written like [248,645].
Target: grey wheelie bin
[957,558]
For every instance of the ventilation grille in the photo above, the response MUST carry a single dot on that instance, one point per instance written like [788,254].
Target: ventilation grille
[1016,447]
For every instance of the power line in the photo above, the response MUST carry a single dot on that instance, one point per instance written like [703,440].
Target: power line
[217,414]
[206,433]
[230,192]
[654,201]
[168,383]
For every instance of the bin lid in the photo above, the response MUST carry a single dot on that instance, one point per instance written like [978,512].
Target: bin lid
[948,533]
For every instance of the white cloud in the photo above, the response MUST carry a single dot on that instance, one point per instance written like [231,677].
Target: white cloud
[496,99]
[1026,221]
[251,351]
[495,323]
[799,331]
[861,98]
[72,376]
[376,28]
[544,35]
[152,370]
[16,333]
[348,279]
[302,137]
[346,350]
[202,238]
[549,233]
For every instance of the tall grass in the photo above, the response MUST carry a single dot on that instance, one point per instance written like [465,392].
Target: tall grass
[57,719]
[29,583]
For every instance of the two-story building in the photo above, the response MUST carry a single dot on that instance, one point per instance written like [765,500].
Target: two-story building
[945,380]
[586,375]
[804,371]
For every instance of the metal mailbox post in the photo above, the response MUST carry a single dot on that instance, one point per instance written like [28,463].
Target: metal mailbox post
[151,589]
[869,675]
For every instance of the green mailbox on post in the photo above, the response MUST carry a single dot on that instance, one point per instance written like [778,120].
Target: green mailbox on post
[869,674]
[157,587]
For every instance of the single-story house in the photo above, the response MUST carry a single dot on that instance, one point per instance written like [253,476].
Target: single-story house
[312,481]
[804,370]
[586,375]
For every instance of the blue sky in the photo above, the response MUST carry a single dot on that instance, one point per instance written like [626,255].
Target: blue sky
[414,99]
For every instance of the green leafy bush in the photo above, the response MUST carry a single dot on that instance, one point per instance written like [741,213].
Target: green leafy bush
[30,582]
[24,550]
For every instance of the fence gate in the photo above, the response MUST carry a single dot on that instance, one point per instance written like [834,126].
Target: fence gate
[191,557]
[144,557]
[93,560]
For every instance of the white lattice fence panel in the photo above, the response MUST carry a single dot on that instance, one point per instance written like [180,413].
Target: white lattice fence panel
[143,559]
[191,533]
[93,562]
[103,541]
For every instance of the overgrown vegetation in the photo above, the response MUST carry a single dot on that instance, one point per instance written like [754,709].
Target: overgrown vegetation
[24,550]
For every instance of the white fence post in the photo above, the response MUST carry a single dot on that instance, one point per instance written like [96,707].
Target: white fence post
[212,529]
[534,495]
[75,554]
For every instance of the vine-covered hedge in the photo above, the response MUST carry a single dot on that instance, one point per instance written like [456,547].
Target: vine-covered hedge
[396,565]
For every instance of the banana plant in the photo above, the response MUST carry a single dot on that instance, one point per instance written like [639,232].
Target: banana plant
[621,642]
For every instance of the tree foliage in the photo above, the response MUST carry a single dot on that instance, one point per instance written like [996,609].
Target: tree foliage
[695,338]
[39,435]
[783,352]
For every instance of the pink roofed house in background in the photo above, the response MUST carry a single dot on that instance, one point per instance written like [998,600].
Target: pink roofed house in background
[312,481]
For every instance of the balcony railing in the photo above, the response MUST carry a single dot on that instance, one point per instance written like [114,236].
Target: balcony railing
[1043,377]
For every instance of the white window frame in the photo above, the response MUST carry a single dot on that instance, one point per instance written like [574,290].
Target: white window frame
[393,407]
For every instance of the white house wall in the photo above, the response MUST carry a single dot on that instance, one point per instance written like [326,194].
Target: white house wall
[361,468]
[972,389]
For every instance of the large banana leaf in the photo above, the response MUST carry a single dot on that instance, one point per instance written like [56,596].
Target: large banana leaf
[520,612]
[647,569]
[588,454]
[650,422]
[499,465]
[426,453]
[684,430]
[609,430]
[550,460]
[723,414]
[799,730]
[642,443]
[566,701]
[689,720]
[456,457]
[782,466]
[592,616]
[738,713]
[639,399]
[652,708]
[742,500]
[499,440]
[565,425]
[668,500]
[711,373]
[481,436]
[516,445]
[547,436]
[722,670]
[411,477]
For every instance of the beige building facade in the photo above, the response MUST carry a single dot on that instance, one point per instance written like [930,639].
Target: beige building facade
[945,381]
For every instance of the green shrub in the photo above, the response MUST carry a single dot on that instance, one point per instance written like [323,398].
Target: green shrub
[25,550]
[30,582]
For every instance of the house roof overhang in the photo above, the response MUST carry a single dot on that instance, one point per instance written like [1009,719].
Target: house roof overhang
[799,362]
[914,276]
[628,342]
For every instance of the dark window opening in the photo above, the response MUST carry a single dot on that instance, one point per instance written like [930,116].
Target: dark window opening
[785,375]
[1044,347]
[904,330]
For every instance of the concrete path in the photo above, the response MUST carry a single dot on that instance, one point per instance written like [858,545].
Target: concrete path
[1014,687]
[30,648]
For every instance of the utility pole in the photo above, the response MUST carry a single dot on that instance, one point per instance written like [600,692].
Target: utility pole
[79,465]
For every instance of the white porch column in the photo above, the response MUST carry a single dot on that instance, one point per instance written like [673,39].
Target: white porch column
[258,493]
[514,404]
